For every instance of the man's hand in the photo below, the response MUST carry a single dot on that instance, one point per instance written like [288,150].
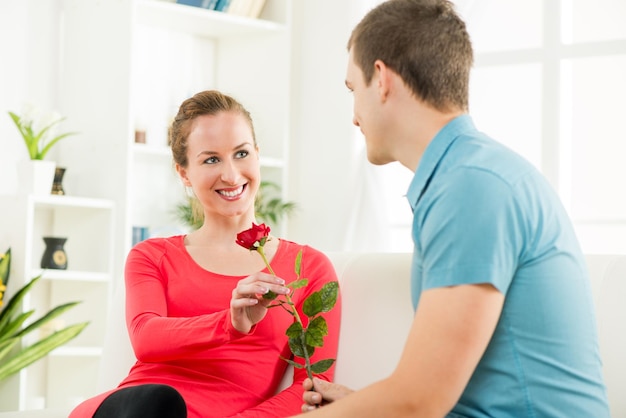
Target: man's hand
[325,392]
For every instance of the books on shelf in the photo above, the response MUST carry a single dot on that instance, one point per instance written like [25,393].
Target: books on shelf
[197,3]
[247,8]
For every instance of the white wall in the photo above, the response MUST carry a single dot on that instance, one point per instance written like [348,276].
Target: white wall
[28,72]
[322,161]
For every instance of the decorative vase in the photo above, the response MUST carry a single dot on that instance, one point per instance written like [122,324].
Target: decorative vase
[57,184]
[35,176]
[54,256]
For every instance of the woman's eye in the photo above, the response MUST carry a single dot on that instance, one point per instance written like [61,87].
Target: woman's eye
[241,154]
[211,160]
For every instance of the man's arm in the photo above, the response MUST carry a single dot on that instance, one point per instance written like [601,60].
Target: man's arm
[450,332]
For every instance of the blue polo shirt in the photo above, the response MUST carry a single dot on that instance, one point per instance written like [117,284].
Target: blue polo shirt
[483,214]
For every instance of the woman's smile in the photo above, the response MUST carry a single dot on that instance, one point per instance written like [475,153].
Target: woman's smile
[232,193]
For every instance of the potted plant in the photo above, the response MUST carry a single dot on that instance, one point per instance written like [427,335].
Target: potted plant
[37,130]
[13,358]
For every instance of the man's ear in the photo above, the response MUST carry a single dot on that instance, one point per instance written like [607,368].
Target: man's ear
[182,173]
[383,74]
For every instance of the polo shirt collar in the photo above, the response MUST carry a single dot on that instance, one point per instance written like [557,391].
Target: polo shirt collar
[434,153]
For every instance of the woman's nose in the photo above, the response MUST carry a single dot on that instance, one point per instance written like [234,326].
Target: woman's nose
[230,173]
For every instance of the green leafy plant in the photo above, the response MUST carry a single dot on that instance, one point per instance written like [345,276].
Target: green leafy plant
[268,206]
[12,327]
[303,338]
[37,138]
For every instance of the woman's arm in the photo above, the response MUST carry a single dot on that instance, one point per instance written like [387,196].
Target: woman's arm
[155,335]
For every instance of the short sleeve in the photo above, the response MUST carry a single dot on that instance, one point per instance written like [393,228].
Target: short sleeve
[468,230]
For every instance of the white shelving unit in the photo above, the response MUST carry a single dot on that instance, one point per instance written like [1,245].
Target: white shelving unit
[59,380]
[128,64]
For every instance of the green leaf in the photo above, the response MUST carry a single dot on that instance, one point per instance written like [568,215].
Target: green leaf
[293,363]
[329,295]
[271,208]
[46,318]
[27,135]
[270,295]
[40,349]
[294,330]
[298,263]
[315,332]
[5,268]
[13,305]
[321,366]
[50,144]
[321,301]
[34,142]
[298,349]
[297,284]
[6,346]
[313,304]
[12,329]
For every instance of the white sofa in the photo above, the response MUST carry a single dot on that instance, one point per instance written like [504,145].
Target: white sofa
[376,298]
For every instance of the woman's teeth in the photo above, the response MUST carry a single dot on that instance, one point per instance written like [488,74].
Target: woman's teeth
[231,193]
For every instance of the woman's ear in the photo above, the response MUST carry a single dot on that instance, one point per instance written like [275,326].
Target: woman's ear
[182,173]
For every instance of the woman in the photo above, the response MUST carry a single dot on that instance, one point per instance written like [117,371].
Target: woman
[206,343]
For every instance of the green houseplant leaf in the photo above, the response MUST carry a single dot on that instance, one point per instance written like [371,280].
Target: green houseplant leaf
[12,330]
[34,352]
[35,142]
[5,267]
[14,304]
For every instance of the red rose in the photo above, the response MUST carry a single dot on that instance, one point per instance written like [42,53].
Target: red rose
[323,300]
[254,237]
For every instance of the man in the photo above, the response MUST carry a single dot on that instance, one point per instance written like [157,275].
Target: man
[504,323]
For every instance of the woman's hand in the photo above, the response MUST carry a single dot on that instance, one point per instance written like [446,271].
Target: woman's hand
[323,393]
[247,306]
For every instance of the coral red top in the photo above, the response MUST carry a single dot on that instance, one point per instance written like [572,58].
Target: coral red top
[179,323]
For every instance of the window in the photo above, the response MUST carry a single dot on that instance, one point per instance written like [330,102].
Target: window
[550,82]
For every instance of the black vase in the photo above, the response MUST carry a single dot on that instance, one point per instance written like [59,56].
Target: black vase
[54,256]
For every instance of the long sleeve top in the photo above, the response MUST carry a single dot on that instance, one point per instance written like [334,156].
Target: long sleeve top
[179,324]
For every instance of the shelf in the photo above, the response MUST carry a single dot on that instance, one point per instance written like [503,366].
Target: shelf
[201,22]
[68,351]
[272,162]
[70,275]
[152,150]
[57,201]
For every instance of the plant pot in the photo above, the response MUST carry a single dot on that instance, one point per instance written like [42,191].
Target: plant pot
[35,176]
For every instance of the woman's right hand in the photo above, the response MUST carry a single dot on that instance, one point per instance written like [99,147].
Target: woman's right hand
[247,306]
